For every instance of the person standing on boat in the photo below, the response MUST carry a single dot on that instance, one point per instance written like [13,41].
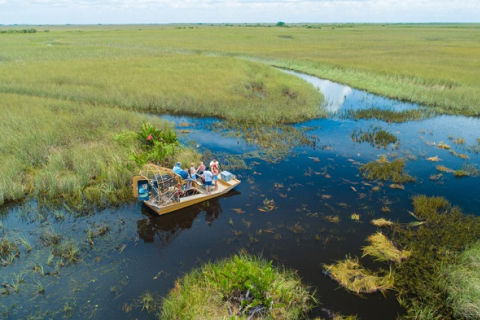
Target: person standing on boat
[215,176]
[214,162]
[193,171]
[201,168]
[207,175]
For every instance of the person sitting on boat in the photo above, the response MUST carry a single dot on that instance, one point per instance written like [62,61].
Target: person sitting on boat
[201,168]
[207,175]
[182,173]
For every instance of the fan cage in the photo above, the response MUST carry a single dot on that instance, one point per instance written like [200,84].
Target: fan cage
[164,183]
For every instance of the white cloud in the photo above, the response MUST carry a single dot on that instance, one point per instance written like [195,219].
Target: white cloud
[168,11]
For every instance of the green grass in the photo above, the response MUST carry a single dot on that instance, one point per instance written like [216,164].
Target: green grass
[240,287]
[461,281]
[433,64]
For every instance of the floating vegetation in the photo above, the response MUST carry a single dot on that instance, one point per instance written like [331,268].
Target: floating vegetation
[434,159]
[437,243]
[389,115]
[350,275]
[326,196]
[376,188]
[383,249]
[435,176]
[296,228]
[457,140]
[268,205]
[376,136]
[275,142]
[381,222]
[386,171]
[461,173]
[444,169]
[397,186]
[385,209]
[355,216]
[442,145]
[460,155]
[242,286]
[332,219]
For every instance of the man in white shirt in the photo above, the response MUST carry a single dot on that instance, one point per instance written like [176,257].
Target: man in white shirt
[207,174]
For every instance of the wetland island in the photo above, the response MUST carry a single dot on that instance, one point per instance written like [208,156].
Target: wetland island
[357,146]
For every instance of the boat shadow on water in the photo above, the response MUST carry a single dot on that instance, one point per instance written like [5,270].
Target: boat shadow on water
[165,228]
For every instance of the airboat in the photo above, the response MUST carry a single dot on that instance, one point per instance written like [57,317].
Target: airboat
[164,191]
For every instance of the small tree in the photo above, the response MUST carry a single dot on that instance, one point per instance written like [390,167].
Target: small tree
[280,24]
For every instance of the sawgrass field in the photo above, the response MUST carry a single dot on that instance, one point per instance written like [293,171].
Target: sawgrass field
[66,92]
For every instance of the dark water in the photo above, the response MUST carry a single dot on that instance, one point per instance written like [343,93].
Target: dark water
[143,252]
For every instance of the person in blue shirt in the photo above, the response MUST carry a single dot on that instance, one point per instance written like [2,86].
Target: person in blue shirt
[182,173]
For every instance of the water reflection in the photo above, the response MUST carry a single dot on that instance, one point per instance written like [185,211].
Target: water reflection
[166,228]
[340,97]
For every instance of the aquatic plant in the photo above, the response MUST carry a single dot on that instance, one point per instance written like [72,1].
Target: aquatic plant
[388,115]
[386,171]
[461,173]
[241,286]
[350,275]
[383,249]
[445,234]
[376,136]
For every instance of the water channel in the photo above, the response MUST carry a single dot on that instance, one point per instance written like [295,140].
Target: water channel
[143,252]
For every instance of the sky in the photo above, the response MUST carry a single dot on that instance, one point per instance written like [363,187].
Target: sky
[239,11]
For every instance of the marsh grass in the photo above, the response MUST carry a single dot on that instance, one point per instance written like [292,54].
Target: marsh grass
[352,276]
[436,243]
[461,282]
[240,287]
[222,87]
[69,150]
[381,59]
[386,171]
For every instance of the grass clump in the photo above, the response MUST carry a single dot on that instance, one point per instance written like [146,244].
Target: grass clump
[8,251]
[238,288]
[350,275]
[383,249]
[461,282]
[381,222]
[377,137]
[386,171]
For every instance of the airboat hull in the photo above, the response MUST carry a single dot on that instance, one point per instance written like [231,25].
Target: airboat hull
[223,188]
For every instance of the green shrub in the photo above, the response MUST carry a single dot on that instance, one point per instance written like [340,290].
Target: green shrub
[238,288]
